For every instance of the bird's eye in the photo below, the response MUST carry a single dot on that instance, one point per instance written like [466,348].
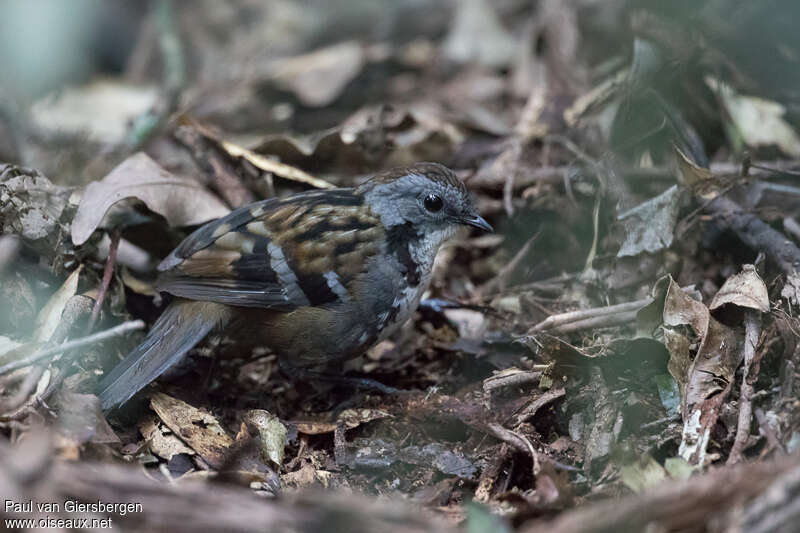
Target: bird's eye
[433,203]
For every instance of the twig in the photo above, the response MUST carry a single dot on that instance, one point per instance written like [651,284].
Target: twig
[279,169]
[108,271]
[554,175]
[768,432]
[561,319]
[693,504]
[752,324]
[226,181]
[510,380]
[757,234]
[502,277]
[517,441]
[116,331]
[532,408]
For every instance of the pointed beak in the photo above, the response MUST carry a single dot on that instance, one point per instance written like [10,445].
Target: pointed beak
[476,221]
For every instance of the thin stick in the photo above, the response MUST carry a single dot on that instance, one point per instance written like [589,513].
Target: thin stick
[517,441]
[108,271]
[752,324]
[116,331]
[280,169]
[510,380]
[502,277]
[555,321]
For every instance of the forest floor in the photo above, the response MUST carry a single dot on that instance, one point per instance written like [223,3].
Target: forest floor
[621,354]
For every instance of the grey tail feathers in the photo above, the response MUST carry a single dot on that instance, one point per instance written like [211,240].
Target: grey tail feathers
[177,330]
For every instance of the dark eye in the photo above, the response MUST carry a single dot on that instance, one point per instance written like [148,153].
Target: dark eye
[433,203]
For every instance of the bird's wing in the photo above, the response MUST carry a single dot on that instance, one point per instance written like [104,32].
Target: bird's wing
[277,254]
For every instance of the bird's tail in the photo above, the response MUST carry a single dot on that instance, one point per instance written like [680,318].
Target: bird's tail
[178,329]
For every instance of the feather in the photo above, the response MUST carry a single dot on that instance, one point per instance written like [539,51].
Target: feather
[277,254]
[177,330]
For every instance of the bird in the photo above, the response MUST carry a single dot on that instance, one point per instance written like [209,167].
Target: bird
[320,276]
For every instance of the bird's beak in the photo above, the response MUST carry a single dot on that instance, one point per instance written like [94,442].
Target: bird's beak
[476,221]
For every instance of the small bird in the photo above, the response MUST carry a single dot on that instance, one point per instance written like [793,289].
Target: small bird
[320,276]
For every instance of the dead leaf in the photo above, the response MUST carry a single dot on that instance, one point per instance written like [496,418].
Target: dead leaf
[649,227]
[319,77]
[183,202]
[791,289]
[102,109]
[162,441]
[760,122]
[745,289]
[50,316]
[701,181]
[351,418]
[196,427]
[642,474]
[30,205]
[279,169]
[478,36]
[81,420]
[307,475]
[704,381]
[272,432]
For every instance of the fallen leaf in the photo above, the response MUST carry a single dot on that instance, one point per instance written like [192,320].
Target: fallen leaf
[351,418]
[745,289]
[196,427]
[791,289]
[102,109]
[319,77]
[272,432]
[704,380]
[700,180]
[183,202]
[650,225]
[478,36]
[50,316]
[760,122]
[81,420]
[642,474]
[161,439]
[30,205]
[307,475]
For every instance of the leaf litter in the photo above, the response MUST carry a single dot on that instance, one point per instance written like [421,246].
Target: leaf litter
[621,338]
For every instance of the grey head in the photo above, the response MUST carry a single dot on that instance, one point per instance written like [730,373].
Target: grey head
[428,198]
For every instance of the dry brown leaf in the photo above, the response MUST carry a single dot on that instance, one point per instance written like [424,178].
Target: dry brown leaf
[81,420]
[196,427]
[350,417]
[183,202]
[700,180]
[745,289]
[709,376]
[162,441]
[279,169]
